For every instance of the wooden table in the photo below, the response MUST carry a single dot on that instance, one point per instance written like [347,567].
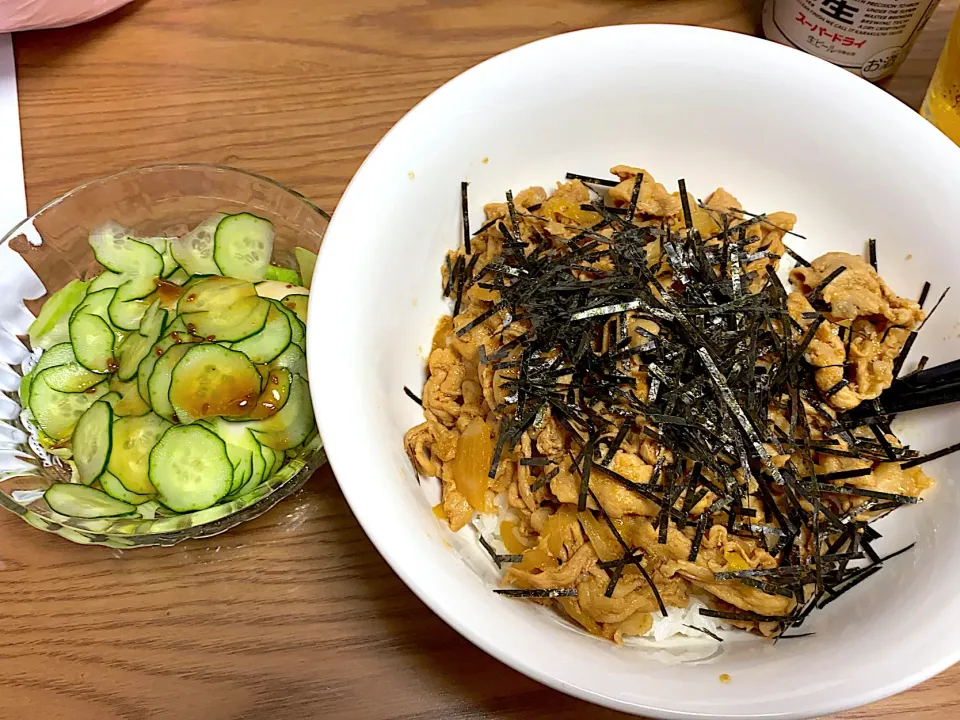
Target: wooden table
[294,615]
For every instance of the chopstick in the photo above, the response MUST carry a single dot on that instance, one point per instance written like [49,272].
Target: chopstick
[925,388]
[948,372]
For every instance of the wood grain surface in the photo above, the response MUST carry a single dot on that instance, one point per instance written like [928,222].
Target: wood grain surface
[293,615]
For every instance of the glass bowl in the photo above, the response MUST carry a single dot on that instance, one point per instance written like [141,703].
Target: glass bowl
[49,249]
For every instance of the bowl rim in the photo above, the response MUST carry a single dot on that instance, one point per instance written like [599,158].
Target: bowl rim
[341,460]
[314,456]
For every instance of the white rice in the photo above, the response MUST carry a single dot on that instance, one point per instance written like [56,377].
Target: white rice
[678,621]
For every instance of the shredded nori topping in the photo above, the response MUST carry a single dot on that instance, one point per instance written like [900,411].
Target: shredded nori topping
[901,358]
[818,290]
[741,615]
[635,196]
[837,387]
[931,456]
[844,474]
[465,211]
[705,632]
[726,353]
[555,593]
[412,395]
[497,557]
[544,479]
[934,309]
[592,180]
[799,259]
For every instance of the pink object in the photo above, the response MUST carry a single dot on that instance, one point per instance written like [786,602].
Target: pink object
[36,14]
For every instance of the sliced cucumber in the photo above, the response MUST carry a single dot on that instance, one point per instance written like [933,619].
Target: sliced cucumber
[155,353]
[130,302]
[131,353]
[250,485]
[216,295]
[283,275]
[274,290]
[244,319]
[112,398]
[168,294]
[106,280]
[175,329]
[307,261]
[96,303]
[194,279]
[93,341]
[133,439]
[154,319]
[243,246]
[211,381]
[117,251]
[190,468]
[150,510]
[298,331]
[275,393]
[298,334]
[297,303]
[270,341]
[293,360]
[279,458]
[114,488]
[129,401]
[57,355]
[84,502]
[291,426]
[57,412]
[72,377]
[178,276]
[162,246]
[136,347]
[194,251]
[146,366]
[158,387]
[24,389]
[258,472]
[50,327]
[272,459]
[222,308]
[242,471]
[242,449]
[91,441]
[229,368]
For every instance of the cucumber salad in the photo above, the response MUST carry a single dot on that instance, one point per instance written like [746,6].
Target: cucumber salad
[175,379]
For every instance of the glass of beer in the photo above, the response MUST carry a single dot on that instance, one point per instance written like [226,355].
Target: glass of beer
[941,106]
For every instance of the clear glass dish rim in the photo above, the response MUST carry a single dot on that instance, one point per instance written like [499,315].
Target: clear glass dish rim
[138,169]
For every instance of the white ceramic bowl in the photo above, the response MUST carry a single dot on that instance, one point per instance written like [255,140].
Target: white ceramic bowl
[780,129]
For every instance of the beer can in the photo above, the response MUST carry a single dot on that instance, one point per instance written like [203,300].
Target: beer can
[867,37]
